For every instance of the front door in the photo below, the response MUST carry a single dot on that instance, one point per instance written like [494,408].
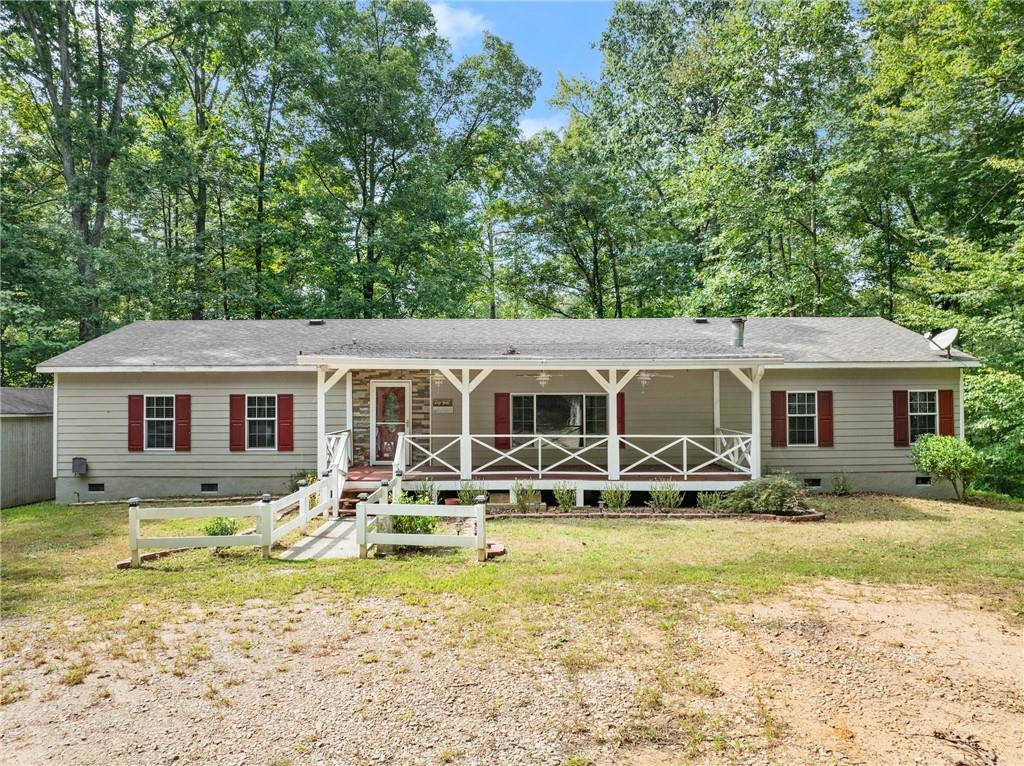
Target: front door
[389,416]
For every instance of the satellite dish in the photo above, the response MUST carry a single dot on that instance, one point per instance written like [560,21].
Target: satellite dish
[944,340]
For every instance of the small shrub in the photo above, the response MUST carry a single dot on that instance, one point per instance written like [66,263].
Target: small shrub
[414,525]
[526,496]
[565,496]
[771,494]
[665,496]
[468,492]
[615,497]
[949,458]
[841,484]
[297,476]
[710,501]
[220,525]
[427,493]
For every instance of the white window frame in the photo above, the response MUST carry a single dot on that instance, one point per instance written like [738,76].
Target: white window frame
[146,420]
[534,394]
[934,413]
[789,442]
[277,436]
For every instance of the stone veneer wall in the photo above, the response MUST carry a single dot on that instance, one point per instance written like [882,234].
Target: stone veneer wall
[420,380]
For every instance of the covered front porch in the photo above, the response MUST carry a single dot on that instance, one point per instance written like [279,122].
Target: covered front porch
[694,424]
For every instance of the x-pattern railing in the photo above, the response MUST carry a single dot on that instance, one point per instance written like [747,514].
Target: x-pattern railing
[733,457]
[531,447]
[411,447]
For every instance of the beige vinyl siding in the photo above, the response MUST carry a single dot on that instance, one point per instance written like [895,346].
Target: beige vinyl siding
[862,418]
[93,423]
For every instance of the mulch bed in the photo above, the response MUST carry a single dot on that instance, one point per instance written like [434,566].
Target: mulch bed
[639,513]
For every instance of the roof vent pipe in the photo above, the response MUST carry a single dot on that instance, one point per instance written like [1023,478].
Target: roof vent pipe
[738,324]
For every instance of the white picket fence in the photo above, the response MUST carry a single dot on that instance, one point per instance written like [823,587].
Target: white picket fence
[266,512]
[374,512]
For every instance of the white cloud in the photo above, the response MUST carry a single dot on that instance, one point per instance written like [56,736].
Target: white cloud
[531,126]
[458,24]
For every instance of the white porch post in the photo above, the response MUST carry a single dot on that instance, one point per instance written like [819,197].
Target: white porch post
[321,420]
[717,407]
[465,445]
[613,425]
[755,423]
[348,415]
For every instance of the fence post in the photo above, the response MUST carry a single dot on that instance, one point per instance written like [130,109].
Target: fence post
[266,525]
[481,535]
[327,493]
[361,524]
[303,500]
[396,487]
[133,530]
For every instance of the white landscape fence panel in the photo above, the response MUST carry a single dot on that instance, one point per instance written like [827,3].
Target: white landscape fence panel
[370,513]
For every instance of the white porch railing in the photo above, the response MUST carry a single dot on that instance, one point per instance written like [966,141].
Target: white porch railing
[543,455]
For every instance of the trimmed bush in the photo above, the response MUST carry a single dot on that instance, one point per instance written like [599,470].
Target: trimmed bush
[469,492]
[565,496]
[615,497]
[710,501]
[771,494]
[949,458]
[220,525]
[841,484]
[526,496]
[665,496]
[414,525]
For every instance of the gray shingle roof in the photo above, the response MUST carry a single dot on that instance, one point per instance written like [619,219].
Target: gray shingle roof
[26,401]
[278,342]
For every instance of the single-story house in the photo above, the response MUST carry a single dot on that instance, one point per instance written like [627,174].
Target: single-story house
[176,408]
[26,445]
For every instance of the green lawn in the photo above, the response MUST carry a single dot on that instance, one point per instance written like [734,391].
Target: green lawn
[58,561]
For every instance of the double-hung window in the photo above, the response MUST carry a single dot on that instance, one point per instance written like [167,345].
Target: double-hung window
[924,413]
[802,417]
[559,414]
[159,423]
[261,421]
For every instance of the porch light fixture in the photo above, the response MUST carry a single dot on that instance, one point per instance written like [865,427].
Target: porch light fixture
[437,378]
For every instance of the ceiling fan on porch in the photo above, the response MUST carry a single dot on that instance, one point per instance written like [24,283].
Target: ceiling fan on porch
[542,377]
[645,376]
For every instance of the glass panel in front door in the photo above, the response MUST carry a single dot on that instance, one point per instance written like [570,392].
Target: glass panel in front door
[389,415]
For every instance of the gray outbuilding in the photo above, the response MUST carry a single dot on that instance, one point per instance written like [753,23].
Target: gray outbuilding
[26,446]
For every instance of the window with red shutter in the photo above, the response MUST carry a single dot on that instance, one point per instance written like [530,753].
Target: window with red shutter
[779,419]
[825,427]
[136,429]
[900,419]
[285,422]
[502,420]
[946,412]
[236,423]
[182,422]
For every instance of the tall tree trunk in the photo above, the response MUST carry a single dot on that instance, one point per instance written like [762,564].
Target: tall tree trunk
[257,312]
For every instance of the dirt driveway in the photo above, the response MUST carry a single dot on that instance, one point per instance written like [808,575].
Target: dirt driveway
[834,674]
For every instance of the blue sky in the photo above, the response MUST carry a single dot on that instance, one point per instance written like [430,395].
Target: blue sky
[550,36]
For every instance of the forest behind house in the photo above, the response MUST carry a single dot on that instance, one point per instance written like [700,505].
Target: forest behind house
[226,160]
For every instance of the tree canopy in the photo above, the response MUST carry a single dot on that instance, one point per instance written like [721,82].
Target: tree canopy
[283,159]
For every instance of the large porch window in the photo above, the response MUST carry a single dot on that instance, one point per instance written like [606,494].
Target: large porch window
[560,414]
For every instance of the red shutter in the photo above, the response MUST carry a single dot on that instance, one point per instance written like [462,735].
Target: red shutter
[824,418]
[182,422]
[285,422]
[136,430]
[946,412]
[620,414]
[900,419]
[780,435]
[502,420]
[237,423]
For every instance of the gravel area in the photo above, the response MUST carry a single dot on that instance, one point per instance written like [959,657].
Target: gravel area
[835,674]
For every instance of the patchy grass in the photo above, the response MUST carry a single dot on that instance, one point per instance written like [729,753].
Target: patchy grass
[58,563]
